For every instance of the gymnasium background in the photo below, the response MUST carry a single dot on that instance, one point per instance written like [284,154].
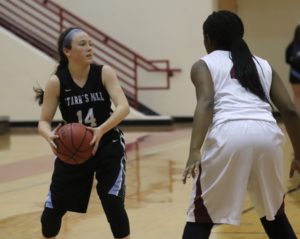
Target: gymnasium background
[164,29]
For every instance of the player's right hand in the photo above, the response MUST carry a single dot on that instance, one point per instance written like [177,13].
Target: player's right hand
[51,138]
[192,165]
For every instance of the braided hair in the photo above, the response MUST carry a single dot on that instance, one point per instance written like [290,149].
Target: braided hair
[226,30]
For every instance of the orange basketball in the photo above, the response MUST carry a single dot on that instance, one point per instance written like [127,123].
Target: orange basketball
[73,144]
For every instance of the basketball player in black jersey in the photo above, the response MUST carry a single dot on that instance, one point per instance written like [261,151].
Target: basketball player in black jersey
[83,91]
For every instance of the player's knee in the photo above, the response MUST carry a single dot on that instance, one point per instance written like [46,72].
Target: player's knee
[51,222]
[116,215]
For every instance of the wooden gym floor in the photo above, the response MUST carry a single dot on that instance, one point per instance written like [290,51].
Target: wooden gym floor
[156,198]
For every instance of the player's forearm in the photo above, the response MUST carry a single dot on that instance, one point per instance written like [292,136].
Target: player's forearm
[117,116]
[44,128]
[202,121]
[292,124]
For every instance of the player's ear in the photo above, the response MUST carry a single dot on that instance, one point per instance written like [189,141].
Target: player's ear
[67,52]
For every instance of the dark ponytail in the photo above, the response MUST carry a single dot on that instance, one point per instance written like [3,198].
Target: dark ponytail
[245,69]
[62,61]
[226,30]
[39,94]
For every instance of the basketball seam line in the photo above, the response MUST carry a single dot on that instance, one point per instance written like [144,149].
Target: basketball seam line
[64,145]
[74,146]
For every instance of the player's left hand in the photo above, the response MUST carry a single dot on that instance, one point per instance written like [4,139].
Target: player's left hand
[97,135]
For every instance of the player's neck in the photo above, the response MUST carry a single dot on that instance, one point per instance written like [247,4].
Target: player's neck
[79,72]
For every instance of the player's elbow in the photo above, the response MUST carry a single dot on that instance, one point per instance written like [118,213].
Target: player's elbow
[125,109]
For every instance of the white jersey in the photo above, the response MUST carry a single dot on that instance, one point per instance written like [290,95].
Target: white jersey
[242,150]
[232,100]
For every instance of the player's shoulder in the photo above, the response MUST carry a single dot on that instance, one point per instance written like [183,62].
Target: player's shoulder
[108,73]
[54,78]
[200,71]
[199,65]
[108,69]
[53,81]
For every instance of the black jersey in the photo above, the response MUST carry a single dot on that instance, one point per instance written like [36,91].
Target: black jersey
[90,104]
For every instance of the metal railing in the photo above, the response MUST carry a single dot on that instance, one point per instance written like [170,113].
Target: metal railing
[40,22]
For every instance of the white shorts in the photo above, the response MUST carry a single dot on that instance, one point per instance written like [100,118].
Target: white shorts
[238,156]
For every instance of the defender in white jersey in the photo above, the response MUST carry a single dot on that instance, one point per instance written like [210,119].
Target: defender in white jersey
[236,144]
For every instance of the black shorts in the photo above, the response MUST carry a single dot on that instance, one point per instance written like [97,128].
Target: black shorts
[71,185]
